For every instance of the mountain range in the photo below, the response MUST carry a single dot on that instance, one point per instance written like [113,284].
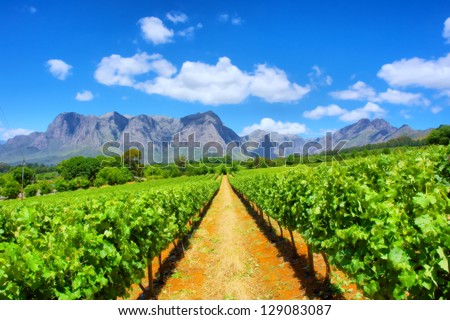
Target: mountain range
[71,134]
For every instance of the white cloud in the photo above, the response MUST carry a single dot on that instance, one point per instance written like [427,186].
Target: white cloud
[189,31]
[222,83]
[446,32]
[404,98]
[317,76]
[362,91]
[177,17]
[405,114]
[358,91]
[224,17]
[272,85]
[370,110]
[58,68]
[270,125]
[6,134]
[331,111]
[154,30]
[436,110]
[236,21]
[117,70]
[416,72]
[85,95]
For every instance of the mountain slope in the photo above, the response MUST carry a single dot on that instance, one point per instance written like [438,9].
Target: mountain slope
[72,134]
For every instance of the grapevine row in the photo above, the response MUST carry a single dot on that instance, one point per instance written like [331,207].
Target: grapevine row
[384,220]
[95,248]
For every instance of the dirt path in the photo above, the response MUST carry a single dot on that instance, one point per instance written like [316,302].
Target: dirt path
[230,258]
[234,254]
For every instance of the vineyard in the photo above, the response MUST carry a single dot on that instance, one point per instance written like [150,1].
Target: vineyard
[383,221]
[95,248]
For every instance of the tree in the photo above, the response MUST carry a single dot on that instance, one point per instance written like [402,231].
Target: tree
[31,190]
[4,167]
[152,171]
[11,189]
[28,175]
[113,176]
[45,187]
[171,171]
[79,167]
[132,158]
[440,135]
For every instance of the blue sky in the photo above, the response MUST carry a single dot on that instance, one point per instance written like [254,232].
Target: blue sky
[299,67]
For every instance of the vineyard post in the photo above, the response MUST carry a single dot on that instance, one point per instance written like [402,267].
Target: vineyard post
[310,258]
[161,271]
[281,229]
[150,278]
[270,223]
[327,264]
[294,248]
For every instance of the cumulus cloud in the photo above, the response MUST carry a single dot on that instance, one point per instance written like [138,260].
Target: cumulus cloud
[117,70]
[362,91]
[330,111]
[272,85]
[85,95]
[416,72]
[6,134]
[222,83]
[58,68]
[153,30]
[270,125]
[358,91]
[446,32]
[370,110]
[436,110]
[177,17]
[399,97]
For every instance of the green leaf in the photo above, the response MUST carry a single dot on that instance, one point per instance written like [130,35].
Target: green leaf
[408,278]
[443,263]
[398,257]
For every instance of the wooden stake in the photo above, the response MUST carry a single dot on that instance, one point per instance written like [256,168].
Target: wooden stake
[310,259]
[281,229]
[294,248]
[327,264]
[150,279]
[270,223]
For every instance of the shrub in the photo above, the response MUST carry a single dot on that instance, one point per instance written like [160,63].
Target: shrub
[11,190]
[31,190]
[45,187]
